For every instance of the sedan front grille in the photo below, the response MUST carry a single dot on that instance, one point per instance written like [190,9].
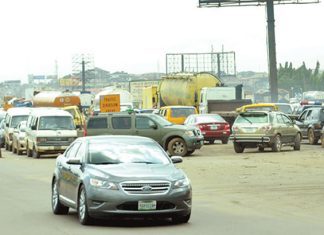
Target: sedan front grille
[147,187]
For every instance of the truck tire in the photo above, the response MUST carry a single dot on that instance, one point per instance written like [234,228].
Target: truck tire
[276,146]
[238,148]
[177,147]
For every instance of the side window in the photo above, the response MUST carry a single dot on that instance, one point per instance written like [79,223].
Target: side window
[309,115]
[97,123]
[81,152]
[121,122]
[71,152]
[303,116]
[143,123]
[286,119]
[279,119]
[315,114]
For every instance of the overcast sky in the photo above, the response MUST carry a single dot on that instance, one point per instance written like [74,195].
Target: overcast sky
[135,35]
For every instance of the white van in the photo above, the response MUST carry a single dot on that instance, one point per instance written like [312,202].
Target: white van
[12,119]
[49,131]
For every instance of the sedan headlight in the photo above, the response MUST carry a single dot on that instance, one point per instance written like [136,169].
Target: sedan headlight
[182,183]
[103,184]
[190,133]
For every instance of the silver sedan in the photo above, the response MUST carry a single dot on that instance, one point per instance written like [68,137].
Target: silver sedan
[104,176]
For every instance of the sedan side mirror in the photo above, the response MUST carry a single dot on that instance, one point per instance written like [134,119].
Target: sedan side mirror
[176,159]
[74,162]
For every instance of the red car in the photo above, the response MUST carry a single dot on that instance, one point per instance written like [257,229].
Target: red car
[212,126]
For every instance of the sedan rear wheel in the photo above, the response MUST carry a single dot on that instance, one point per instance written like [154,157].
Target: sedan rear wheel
[177,147]
[276,147]
[57,207]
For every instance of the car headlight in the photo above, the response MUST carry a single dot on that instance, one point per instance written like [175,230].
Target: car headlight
[182,183]
[103,184]
[190,133]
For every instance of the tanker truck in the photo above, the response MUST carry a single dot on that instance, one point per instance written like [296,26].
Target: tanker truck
[65,100]
[205,91]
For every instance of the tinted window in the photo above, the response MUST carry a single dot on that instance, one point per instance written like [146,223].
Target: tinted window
[182,112]
[81,152]
[121,122]
[97,123]
[143,123]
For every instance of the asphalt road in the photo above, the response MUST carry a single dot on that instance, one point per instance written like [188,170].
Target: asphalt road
[25,199]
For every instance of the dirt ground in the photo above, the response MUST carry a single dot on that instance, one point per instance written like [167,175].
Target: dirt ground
[288,184]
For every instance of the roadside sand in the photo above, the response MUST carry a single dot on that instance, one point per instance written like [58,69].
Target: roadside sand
[289,184]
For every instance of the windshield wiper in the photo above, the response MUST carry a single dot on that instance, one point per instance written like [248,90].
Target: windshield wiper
[247,119]
[105,163]
[146,162]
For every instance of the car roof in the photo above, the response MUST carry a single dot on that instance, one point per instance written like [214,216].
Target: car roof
[50,112]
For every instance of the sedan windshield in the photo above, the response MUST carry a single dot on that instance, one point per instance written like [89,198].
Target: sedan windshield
[116,152]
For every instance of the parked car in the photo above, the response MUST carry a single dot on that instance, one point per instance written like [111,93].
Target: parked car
[103,176]
[178,140]
[2,138]
[19,138]
[177,114]
[212,126]
[264,129]
[311,122]
[13,117]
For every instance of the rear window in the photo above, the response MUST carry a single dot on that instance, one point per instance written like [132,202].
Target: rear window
[121,122]
[252,118]
[209,118]
[182,112]
[97,123]
[285,108]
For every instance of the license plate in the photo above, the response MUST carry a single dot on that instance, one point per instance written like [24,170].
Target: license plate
[249,130]
[213,127]
[146,205]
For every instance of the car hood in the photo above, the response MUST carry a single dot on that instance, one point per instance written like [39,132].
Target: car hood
[136,171]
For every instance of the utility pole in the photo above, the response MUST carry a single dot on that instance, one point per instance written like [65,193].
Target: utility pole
[272,60]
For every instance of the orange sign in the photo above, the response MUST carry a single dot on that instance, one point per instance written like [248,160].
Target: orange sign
[110,103]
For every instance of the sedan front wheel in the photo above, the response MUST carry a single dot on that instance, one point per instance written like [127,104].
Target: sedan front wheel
[57,207]
[83,214]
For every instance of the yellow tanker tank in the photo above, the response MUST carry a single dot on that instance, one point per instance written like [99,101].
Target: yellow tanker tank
[184,89]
